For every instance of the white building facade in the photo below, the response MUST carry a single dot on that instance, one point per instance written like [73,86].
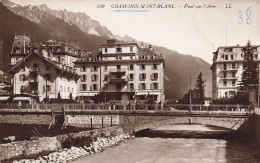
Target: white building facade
[121,72]
[227,70]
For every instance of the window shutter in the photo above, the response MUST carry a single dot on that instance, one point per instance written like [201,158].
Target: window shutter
[44,88]
[81,87]
[151,76]
[151,85]
[21,77]
[91,87]
[140,86]
[140,76]
[144,76]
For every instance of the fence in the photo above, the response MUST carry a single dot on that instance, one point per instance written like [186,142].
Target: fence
[132,106]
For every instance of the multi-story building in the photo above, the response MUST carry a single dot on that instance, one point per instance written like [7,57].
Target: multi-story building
[227,70]
[43,69]
[114,72]
[121,71]
[57,50]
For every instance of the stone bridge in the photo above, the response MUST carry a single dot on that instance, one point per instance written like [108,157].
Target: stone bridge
[134,121]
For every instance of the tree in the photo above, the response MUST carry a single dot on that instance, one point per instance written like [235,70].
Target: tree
[200,89]
[249,81]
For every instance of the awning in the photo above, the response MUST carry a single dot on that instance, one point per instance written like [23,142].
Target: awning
[86,94]
[147,93]
[4,98]
[22,99]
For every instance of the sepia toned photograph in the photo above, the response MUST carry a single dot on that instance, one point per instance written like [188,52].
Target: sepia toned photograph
[129,81]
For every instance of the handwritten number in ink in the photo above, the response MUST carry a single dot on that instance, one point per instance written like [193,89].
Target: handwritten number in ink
[248,14]
[240,17]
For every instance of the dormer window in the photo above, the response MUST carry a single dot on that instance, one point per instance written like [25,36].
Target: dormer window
[118,50]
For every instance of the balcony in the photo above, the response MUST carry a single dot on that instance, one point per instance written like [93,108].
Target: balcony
[117,80]
[228,78]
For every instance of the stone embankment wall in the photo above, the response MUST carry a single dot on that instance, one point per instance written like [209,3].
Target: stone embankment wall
[25,117]
[49,144]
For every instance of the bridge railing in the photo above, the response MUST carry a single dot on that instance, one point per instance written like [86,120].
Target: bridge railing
[198,107]
[131,106]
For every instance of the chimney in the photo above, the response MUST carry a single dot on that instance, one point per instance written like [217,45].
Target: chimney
[150,47]
[112,41]
[44,53]
[142,45]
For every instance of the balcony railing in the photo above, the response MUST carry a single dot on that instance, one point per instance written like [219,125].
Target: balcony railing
[117,80]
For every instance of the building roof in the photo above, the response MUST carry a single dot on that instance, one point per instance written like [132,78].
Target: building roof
[23,61]
[146,52]
[120,44]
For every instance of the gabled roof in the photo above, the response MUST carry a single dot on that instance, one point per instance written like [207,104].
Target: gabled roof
[53,63]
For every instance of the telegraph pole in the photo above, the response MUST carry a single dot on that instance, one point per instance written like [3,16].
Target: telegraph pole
[190,95]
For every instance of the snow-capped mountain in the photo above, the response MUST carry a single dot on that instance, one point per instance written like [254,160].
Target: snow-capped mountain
[81,20]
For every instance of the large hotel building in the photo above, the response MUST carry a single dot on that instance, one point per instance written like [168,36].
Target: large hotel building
[227,70]
[115,71]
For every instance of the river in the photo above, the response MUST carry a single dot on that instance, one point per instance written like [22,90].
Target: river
[175,150]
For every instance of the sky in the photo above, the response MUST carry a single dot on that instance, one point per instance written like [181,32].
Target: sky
[194,31]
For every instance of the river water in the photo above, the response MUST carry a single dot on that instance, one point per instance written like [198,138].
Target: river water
[175,150]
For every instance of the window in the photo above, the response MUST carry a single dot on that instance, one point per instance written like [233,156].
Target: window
[256,56]
[142,67]
[233,65]
[47,68]
[83,68]
[131,77]
[48,88]
[154,76]
[83,87]
[155,66]
[131,86]
[94,68]
[225,74]
[68,89]
[142,77]
[233,74]
[22,77]
[118,50]
[94,87]
[225,66]
[154,86]
[142,86]
[231,57]
[105,50]
[226,57]
[233,83]
[83,78]
[105,77]
[118,67]
[225,83]
[105,67]
[94,77]
[131,67]
[131,49]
